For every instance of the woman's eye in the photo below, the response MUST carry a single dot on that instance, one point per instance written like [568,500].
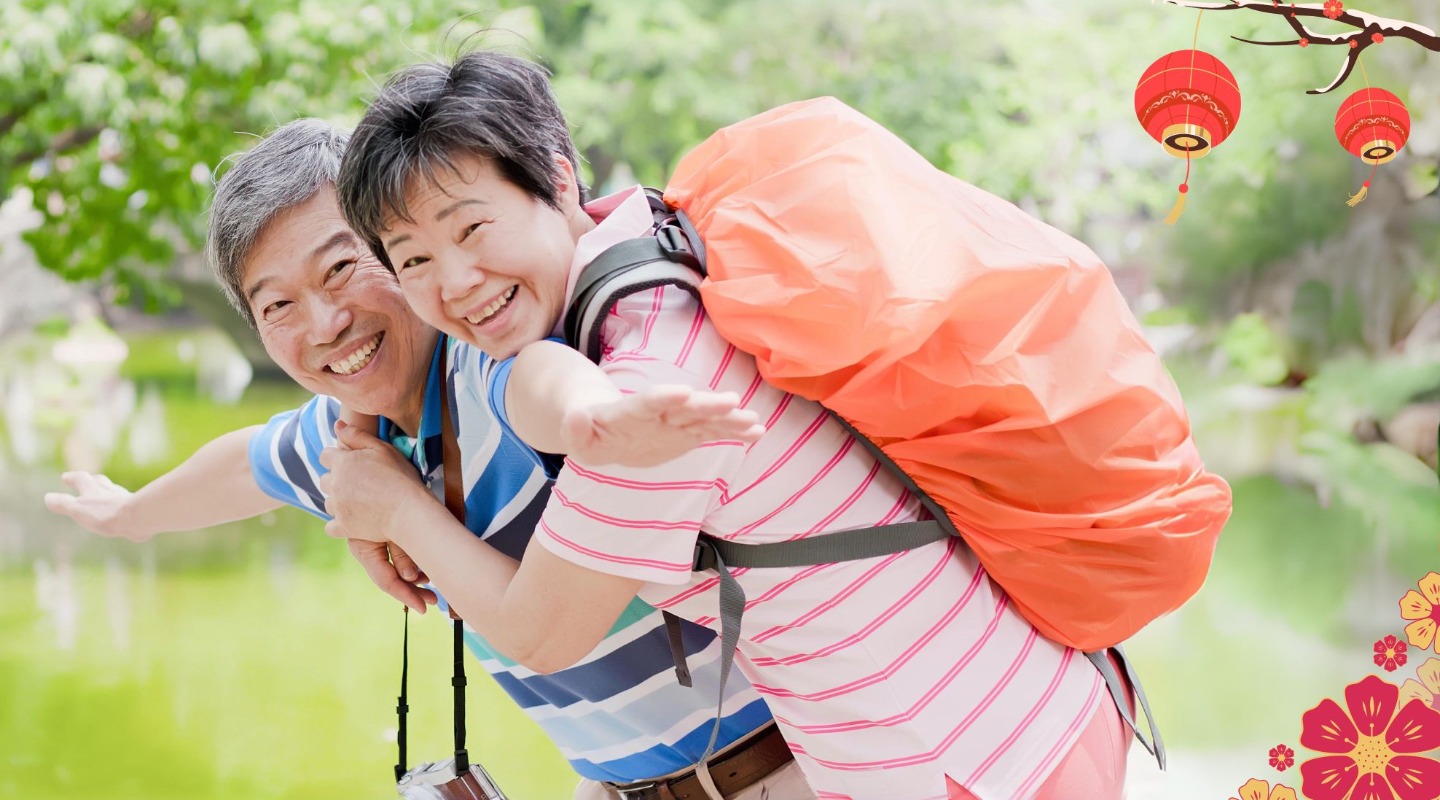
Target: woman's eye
[274,308]
[469,229]
[413,262]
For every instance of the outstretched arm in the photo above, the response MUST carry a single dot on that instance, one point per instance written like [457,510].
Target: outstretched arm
[211,487]
[214,486]
[557,401]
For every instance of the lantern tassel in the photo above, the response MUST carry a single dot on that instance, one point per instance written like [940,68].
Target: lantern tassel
[1180,201]
[1359,197]
[1179,207]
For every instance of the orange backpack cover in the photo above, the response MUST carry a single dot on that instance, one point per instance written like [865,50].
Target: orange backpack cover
[988,354]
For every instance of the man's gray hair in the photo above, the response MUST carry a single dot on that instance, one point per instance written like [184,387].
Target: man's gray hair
[285,169]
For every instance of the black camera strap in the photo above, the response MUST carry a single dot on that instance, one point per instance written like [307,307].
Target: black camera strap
[402,707]
[455,502]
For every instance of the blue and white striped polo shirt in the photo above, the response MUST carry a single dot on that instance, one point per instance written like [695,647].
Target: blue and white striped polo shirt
[618,715]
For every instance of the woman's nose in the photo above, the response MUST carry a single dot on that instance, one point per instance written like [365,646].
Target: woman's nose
[460,276]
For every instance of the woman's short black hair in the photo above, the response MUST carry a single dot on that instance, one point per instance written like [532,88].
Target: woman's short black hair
[428,116]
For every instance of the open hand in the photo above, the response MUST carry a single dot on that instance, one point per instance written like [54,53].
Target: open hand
[655,425]
[98,505]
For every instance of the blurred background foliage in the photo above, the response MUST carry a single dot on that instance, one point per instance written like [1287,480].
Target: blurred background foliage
[1304,334]
[116,114]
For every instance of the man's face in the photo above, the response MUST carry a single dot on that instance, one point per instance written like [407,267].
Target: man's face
[332,317]
[483,260]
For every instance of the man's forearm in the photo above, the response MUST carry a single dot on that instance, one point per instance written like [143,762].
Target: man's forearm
[211,487]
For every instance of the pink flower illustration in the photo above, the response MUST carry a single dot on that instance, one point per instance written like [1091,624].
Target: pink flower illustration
[1369,748]
[1282,757]
[1334,8]
[1390,653]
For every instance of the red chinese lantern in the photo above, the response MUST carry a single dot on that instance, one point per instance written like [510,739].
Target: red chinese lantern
[1373,125]
[1187,101]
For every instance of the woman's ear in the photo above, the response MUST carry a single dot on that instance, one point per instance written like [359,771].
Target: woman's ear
[567,184]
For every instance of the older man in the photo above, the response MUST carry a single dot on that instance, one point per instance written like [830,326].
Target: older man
[334,319]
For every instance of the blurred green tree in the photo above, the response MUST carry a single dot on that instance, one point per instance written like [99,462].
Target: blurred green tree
[115,113]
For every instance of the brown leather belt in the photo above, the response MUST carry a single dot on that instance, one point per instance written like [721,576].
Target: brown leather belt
[734,770]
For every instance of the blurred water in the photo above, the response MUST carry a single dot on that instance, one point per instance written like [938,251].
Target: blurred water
[255,661]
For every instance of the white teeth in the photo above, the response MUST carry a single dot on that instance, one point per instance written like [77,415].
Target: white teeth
[356,360]
[495,305]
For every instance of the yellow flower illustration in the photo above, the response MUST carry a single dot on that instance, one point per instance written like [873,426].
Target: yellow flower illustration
[1424,608]
[1256,789]
[1427,689]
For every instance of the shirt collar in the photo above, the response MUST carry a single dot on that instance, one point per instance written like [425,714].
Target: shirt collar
[618,217]
[425,450]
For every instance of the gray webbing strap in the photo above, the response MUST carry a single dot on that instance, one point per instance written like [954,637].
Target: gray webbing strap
[941,518]
[677,648]
[720,555]
[732,607]
[828,548]
[1100,658]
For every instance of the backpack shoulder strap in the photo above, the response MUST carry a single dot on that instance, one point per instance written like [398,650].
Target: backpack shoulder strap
[672,255]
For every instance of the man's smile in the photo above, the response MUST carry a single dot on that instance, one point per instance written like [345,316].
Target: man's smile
[358,358]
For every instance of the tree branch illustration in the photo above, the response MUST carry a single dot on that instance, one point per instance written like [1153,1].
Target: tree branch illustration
[1370,29]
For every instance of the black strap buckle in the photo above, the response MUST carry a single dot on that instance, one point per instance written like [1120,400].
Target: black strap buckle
[676,246]
[705,557]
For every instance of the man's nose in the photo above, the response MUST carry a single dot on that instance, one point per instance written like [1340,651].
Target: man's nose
[329,318]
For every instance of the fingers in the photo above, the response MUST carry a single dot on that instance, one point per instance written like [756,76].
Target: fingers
[80,482]
[405,565]
[61,503]
[373,557]
[354,438]
[355,419]
[688,402]
[751,433]
[667,396]
[707,415]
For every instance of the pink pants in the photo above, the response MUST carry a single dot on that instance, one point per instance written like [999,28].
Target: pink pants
[1094,767]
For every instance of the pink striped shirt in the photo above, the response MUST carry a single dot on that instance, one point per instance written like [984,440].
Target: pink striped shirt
[885,674]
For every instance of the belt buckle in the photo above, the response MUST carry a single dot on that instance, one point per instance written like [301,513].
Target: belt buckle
[656,790]
[636,791]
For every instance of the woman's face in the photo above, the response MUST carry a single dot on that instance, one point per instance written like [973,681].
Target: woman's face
[483,260]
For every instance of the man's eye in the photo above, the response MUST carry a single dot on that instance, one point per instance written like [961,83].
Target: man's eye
[269,311]
[339,268]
